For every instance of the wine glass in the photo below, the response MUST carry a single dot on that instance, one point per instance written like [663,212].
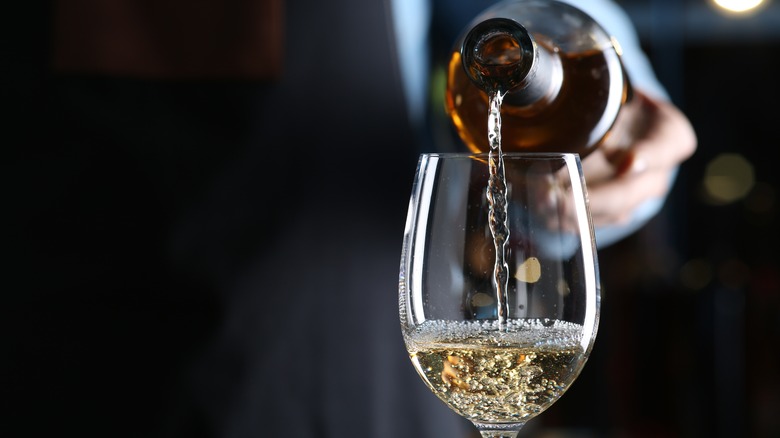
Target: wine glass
[499,290]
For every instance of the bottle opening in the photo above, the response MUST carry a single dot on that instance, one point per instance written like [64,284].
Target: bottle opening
[498,50]
[497,54]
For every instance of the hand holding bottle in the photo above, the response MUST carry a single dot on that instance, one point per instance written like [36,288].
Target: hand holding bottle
[623,177]
[566,90]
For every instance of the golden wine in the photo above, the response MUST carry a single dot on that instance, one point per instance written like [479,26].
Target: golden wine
[491,375]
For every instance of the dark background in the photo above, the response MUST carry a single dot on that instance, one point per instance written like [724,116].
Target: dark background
[131,205]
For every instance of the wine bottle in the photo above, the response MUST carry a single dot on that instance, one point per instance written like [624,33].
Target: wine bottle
[560,72]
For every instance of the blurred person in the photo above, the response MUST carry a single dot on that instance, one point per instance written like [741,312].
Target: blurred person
[206,204]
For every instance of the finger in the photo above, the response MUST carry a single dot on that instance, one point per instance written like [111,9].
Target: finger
[664,140]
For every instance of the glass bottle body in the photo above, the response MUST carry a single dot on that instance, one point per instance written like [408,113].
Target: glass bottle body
[576,65]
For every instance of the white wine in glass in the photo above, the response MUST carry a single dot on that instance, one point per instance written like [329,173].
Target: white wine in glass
[499,290]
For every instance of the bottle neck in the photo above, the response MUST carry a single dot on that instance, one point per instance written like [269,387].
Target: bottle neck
[541,84]
[500,56]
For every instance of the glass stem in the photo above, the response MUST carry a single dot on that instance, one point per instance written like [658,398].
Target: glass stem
[499,430]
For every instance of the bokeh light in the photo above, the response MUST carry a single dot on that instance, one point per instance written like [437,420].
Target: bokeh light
[738,6]
[696,274]
[728,178]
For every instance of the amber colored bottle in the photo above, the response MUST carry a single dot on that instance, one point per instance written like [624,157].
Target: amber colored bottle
[562,74]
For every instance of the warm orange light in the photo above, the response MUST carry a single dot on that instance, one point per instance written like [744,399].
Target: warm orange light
[738,6]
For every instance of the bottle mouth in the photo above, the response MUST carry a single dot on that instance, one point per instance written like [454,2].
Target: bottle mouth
[497,54]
